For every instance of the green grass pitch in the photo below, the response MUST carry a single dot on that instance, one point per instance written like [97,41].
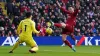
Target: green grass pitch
[52,51]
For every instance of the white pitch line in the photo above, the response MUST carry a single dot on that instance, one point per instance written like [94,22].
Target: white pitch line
[68,51]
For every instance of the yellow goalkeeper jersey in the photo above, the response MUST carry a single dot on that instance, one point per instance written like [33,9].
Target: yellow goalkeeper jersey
[26,27]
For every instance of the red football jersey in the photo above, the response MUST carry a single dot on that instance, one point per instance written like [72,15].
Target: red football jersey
[71,16]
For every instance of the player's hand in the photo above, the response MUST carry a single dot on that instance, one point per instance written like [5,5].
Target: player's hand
[58,4]
[77,4]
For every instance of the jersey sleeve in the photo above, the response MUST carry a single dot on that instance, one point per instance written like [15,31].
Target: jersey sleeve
[76,12]
[19,28]
[34,29]
[65,11]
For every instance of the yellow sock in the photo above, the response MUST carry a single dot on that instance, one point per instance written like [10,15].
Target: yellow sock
[35,49]
[15,46]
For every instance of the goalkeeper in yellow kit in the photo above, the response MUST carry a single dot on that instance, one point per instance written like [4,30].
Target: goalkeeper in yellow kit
[24,30]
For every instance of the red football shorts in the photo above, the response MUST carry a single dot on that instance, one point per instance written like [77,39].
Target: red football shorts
[68,29]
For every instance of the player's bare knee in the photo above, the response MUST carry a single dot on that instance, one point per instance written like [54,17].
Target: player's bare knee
[63,25]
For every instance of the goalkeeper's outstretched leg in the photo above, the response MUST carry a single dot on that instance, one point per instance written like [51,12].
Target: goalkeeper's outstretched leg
[14,47]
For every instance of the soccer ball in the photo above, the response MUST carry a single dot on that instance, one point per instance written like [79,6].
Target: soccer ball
[49,31]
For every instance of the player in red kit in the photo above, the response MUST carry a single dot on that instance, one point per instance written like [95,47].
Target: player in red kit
[68,27]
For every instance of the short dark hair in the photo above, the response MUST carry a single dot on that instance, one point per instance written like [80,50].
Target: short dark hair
[28,14]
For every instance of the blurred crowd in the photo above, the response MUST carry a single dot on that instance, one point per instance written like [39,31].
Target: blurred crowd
[47,11]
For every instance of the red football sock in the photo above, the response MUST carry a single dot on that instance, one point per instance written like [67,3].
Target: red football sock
[72,36]
[57,25]
[68,43]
